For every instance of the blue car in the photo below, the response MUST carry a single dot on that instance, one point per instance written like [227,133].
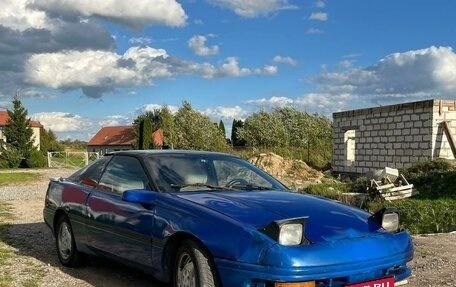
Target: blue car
[208,219]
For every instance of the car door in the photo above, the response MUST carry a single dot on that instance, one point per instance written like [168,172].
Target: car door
[117,228]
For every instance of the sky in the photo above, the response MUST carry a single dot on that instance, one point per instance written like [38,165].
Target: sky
[78,65]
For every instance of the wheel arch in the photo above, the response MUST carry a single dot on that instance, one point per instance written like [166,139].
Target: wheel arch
[172,246]
[59,213]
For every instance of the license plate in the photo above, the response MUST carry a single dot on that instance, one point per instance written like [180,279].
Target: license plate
[385,282]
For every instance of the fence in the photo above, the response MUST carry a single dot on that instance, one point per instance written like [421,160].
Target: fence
[71,158]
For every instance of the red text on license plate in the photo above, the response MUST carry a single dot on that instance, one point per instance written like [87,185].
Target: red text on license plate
[385,282]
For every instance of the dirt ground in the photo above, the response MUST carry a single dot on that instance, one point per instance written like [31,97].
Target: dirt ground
[35,260]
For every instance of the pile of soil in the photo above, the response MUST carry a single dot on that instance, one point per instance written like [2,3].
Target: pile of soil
[292,172]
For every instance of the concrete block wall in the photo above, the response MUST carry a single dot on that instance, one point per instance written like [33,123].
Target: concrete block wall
[393,136]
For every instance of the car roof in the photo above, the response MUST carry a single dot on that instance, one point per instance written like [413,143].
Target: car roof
[166,152]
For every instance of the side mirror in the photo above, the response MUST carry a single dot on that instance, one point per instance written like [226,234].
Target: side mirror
[140,196]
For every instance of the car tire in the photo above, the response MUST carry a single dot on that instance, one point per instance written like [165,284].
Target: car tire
[66,245]
[193,267]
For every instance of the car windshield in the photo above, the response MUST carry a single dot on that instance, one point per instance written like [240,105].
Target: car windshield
[208,172]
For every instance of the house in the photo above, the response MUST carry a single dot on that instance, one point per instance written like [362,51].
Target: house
[394,136]
[117,138]
[35,125]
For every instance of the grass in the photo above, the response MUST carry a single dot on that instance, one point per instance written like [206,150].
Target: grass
[5,251]
[17,177]
[32,274]
[6,279]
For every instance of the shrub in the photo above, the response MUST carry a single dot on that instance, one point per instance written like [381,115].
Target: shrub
[433,178]
[10,158]
[36,159]
[359,185]
[423,215]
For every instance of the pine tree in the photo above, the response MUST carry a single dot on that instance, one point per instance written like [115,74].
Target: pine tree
[169,129]
[143,131]
[49,142]
[222,128]
[18,133]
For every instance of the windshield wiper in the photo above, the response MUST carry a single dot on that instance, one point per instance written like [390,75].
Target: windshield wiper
[210,186]
[250,187]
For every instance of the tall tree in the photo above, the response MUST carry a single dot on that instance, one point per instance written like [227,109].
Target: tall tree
[168,126]
[196,131]
[49,142]
[143,133]
[17,131]
[263,129]
[235,139]
[221,126]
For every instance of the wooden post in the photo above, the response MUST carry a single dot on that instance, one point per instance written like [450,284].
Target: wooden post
[446,128]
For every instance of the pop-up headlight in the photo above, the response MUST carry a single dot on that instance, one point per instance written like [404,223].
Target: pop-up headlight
[287,232]
[387,218]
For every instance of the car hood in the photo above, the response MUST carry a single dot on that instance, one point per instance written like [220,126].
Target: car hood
[327,220]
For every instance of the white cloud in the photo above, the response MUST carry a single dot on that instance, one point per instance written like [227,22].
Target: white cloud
[314,31]
[63,122]
[115,120]
[231,68]
[66,70]
[271,102]
[98,72]
[319,16]
[416,74]
[151,107]
[15,14]
[137,15]
[324,103]
[320,4]
[198,44]
[226,113]
[285,60]
[267,70]
[254,8]
[140,40]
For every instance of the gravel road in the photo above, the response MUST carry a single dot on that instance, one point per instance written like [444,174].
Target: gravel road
[34,261]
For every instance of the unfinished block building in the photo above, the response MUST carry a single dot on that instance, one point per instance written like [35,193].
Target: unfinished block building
[394,136]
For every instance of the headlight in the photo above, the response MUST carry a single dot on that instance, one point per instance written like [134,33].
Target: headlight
[387,218]
[287,232]
[390,221]
[290,234]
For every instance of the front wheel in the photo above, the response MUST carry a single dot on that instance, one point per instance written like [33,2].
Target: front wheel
[66,245]
[193,267]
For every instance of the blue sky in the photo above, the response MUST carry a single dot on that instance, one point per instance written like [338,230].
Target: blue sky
[78,65]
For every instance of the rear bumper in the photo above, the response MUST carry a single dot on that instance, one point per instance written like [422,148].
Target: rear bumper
[234,273]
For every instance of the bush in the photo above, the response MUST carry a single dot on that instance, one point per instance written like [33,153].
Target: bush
[433,179]
[10,158]
[36,159]
[423,215]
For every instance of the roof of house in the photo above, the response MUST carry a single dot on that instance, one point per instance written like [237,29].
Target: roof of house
[120,136]
[4,119]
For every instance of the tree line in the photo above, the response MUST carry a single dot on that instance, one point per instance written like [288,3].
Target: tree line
[284,130]
[18,150]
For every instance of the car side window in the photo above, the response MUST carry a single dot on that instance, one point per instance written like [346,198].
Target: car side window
[90,175]
[123,173]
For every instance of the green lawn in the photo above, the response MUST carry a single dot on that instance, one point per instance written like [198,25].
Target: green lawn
[17,177]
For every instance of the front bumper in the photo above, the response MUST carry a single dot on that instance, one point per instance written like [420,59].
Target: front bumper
[330,264]
[239,274]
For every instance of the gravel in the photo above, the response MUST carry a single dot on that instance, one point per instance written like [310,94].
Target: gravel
[35,260]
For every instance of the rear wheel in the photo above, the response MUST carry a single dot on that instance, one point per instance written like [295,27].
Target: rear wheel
[193,268]
[66,245]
